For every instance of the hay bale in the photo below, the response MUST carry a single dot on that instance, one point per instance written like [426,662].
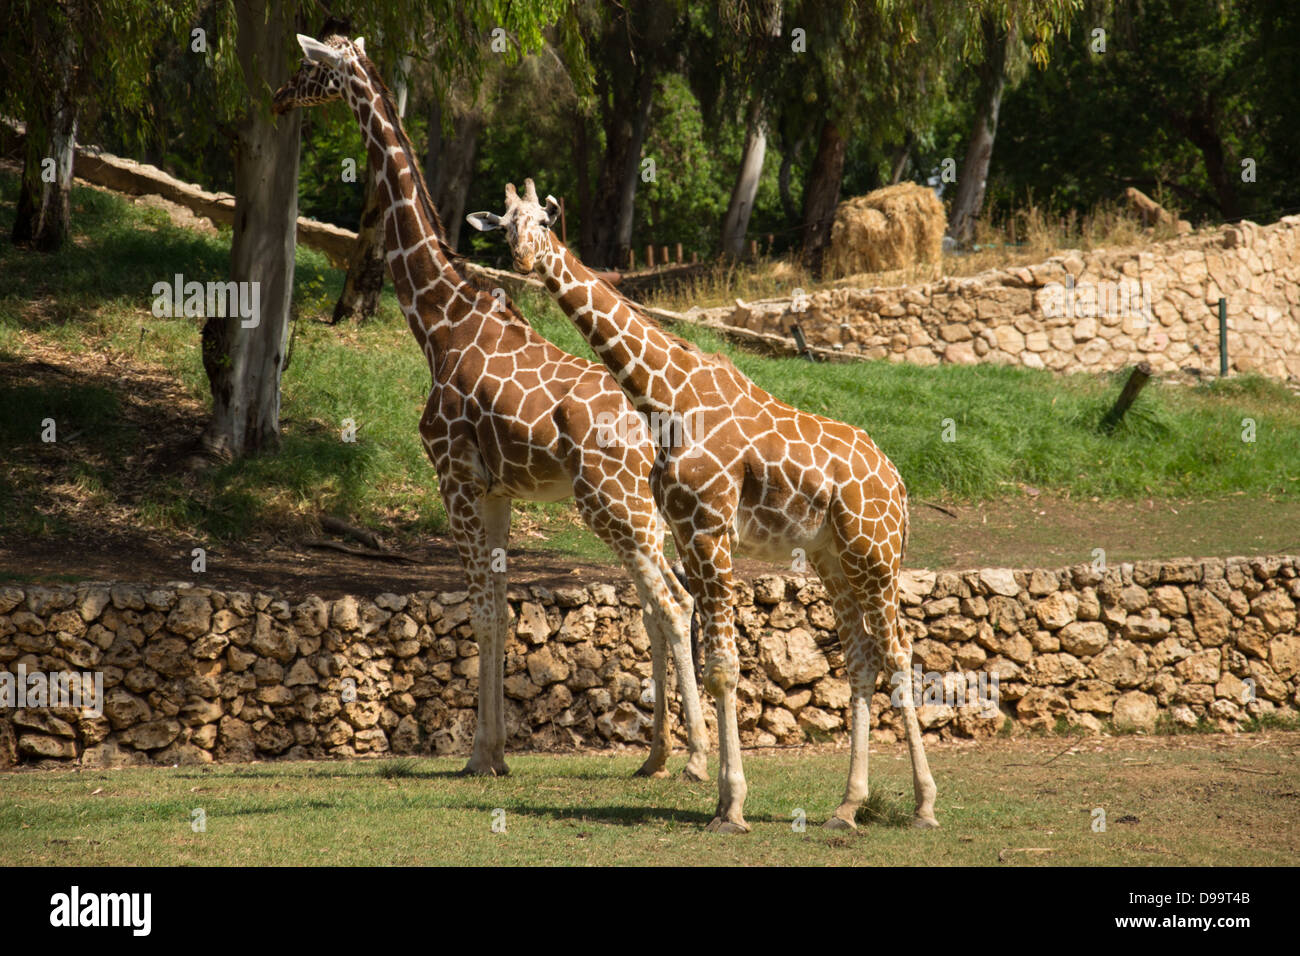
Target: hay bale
[891,228]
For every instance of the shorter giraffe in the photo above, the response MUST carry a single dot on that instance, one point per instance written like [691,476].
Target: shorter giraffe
[736,466]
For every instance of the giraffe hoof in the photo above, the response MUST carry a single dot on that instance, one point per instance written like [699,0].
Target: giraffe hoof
[486,769]
[696,774]
[656,770]
[719,825]
[927,822]
[839,823]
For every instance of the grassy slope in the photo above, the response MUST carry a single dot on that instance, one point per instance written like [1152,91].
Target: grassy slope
[994,800]
[1013,426]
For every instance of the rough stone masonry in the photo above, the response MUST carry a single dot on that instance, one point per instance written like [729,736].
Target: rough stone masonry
[193,674]
[1081,311]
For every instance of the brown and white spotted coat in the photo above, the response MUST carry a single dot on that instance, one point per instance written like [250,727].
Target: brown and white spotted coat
[509,416]
[736,467]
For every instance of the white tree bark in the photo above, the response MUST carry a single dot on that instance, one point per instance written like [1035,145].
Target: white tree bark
[244,361]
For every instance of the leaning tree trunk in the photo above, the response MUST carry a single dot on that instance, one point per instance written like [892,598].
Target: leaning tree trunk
[364,283]
[735,223]
[457,173]
[973,178]
[822,194]
[244,358]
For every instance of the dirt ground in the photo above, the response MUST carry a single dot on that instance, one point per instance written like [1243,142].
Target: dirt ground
[1024,529]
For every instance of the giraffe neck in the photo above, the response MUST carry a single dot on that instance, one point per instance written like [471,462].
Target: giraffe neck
[427,283]
[647,363]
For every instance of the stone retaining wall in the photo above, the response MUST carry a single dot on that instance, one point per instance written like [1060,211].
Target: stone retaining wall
[193,674]
[1070,313]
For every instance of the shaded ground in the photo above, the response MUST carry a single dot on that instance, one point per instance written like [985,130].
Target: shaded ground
[1180,801]
[61,527]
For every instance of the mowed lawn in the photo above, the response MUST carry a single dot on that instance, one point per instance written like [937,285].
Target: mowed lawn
[1190,800]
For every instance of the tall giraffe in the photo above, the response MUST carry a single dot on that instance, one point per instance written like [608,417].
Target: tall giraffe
[737,467]
[509,416]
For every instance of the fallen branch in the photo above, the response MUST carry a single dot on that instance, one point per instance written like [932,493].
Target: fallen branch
[359,552]
[339,526]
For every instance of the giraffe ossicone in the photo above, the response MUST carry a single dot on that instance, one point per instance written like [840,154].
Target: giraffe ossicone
[754,472]
[509,416]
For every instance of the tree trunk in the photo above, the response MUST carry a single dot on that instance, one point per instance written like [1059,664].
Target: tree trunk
[582,170]
[973,178]
[625,116]
[822,194]
[433,149]
[735,223]
[244,363]
[1201,131]
[365,279]
[456,173]
[46,222]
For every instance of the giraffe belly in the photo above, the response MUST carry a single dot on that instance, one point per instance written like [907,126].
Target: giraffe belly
[766,534]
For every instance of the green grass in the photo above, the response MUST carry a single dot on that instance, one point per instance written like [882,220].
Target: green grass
[1013,426]
[1176,803]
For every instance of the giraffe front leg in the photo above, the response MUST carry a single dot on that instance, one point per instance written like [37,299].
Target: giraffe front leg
[480,525]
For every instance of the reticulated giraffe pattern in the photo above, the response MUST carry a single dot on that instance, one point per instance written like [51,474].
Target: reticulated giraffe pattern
[734,467]
[509,415]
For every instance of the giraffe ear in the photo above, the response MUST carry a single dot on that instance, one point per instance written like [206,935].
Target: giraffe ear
[317,52]
[360,44]
[552,211]
[484,221]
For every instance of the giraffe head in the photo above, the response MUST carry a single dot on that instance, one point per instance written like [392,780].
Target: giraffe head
[527,224]
[326,66]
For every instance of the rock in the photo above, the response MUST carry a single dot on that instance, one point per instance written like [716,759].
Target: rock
[40,745]
[191,617]
[1056,610]
[1169,601]
[625,723]
[1138,628]
[779,721]
[1122,664]
[792,658]
[1275,610]
[770,589]
[832,693]
[1135,711]
[1084,638]
[1209,617]
[816,721]
[532,625]
[1202,668]
[999,581]
[1040,706]
[545,668]
[152,735]
[1284,655]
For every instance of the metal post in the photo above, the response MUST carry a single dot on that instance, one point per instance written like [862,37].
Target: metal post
[1223,337]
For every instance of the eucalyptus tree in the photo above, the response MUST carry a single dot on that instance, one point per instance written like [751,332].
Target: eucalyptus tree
[254,53]
[999,40]
[56,57]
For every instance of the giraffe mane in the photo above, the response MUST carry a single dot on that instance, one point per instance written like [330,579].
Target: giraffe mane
[422,188]
[716,358]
